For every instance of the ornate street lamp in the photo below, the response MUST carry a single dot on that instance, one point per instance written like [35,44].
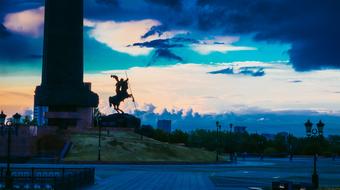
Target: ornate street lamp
[8,181]
[308,126]
[218,128]
[320,126]
[16,118]
[8,126]
[313,134]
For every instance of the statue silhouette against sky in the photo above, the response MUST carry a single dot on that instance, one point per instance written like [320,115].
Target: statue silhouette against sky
[122,87]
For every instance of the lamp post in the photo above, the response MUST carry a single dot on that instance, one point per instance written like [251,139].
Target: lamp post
[98,116]
[290,147]
[9,125]
[218,128]
[260,146]
[231,153]
[314,134]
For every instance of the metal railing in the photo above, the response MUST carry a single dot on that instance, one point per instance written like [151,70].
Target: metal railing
[49,178]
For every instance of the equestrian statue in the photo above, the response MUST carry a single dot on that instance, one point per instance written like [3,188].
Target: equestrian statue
[122,87]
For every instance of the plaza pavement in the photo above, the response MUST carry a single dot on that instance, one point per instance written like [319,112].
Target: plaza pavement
[244,174]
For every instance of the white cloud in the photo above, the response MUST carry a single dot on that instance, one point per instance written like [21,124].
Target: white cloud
[28,22]
[221,44]
[186,86]
[119,36]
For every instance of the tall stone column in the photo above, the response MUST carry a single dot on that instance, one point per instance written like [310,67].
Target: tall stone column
[63,97]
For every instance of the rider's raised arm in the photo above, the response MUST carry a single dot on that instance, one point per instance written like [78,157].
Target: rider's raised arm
[115,77]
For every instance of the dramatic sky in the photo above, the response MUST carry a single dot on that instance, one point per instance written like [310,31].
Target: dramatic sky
[192,57]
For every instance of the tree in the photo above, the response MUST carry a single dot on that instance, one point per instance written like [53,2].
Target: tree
[160,135]
[146,130]
[178,136]
[27,120]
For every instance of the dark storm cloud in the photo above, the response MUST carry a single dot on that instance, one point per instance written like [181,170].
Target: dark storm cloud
[108,2]
[174,4]
[35,56]
[8,6]
[311,26]
[296,81]
[227,71]
[249,71]
[175,42]
[164,54]
[16,48]
[253,73]
[163,48]
[3,31]
[184,40]
[161,44]
[159,30]
[101,9]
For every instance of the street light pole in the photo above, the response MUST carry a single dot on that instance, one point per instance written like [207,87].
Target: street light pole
[218,127]
[9,125]
[99,142]
[97,116]
[260,143]
[9,182]
[99,137]
[290,147]
[217,123]
[314,134]
[231,152]
[315,176]
[4,124]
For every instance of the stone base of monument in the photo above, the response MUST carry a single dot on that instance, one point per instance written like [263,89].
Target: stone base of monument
[65,105]
[79,118]
[120,121]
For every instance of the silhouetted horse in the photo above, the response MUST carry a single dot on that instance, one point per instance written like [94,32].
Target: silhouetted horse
[116,100]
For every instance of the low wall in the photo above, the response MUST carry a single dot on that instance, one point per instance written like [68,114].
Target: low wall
[23,140]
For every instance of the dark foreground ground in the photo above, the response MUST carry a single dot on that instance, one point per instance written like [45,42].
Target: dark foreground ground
[244,174]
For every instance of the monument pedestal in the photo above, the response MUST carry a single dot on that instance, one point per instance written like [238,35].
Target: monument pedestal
[81,118]
[65,107]
[120,121]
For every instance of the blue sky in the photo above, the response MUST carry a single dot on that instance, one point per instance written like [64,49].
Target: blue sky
[212,57]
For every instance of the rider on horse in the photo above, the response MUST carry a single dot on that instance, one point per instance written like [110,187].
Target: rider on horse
[122,87]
